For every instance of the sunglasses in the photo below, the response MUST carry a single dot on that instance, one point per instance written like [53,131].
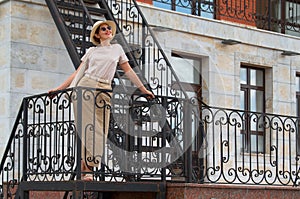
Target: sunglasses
[105,28]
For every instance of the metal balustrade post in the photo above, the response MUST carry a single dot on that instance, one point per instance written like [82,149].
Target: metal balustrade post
[164,139]
[269,15]
[200,140]
[143,58]
[24,156]
[297,146]
[78,121]
[25,137]
[187,134]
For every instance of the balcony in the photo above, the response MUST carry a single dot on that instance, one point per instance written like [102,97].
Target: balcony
[276,16]
[233,155]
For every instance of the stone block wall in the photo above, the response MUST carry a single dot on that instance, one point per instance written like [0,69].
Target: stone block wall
[33,58]
[5,61]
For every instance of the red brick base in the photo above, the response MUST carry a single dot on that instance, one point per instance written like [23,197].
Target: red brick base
[208,191]
[46,194]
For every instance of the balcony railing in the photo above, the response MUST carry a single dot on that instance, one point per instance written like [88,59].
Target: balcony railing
[272,158]
[46,142]
[278,16]
[203,147]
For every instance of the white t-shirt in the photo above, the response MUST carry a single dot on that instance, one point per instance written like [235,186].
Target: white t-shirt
[102,61]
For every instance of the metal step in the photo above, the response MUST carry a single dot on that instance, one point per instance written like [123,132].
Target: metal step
[79,43]
[73,18]
[78,8]
[78,31]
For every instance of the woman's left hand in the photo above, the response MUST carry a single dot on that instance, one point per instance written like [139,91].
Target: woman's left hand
[147,92]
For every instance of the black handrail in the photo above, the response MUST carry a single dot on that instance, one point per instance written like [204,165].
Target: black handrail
[12,135]
[86,12]
[160,49]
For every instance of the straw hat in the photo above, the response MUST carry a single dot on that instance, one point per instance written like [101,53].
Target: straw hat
[99,23]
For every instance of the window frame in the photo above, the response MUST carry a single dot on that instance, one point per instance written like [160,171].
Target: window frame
[247,131]
[190,87]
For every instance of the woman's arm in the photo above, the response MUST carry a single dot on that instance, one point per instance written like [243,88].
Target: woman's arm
[67,82]
[135,79]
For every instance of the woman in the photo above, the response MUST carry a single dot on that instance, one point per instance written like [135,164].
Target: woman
[101,62]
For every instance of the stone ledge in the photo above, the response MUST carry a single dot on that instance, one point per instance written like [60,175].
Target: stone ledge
[231,186]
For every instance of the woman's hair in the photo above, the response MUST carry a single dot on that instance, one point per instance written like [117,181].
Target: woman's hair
[97,32]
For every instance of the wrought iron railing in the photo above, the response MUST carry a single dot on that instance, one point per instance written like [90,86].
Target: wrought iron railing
[149,60]
[227,161]
[277,16]
[45,143]
[11,163]
[144,52]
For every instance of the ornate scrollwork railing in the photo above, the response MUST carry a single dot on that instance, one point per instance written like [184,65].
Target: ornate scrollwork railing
[270,158]
[277,16]
[45,143]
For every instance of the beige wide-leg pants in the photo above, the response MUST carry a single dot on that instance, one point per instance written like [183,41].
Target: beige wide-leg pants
[95,119]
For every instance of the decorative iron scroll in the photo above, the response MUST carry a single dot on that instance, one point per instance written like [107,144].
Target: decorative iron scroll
[228,161]
[270,15]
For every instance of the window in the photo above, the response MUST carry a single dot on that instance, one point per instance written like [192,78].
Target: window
[204,8]
[252,82]
[188,70]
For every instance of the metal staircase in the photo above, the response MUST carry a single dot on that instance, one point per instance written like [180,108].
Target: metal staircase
[149,140]
[133,34]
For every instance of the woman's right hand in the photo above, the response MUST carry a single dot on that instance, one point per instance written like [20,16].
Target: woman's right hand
[52,93]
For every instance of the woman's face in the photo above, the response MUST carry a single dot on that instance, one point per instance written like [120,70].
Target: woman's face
[104,33]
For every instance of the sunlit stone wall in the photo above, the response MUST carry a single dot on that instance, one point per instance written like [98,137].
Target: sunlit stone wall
[33,58]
